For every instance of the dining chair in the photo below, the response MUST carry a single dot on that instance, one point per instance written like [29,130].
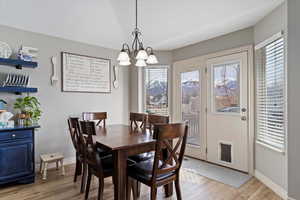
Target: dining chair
[99,166]
[152,119]
[156,119]
[97,116]
[157,172]
[80,166]
[138,120]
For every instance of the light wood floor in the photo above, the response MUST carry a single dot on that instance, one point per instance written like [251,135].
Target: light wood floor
[193,187]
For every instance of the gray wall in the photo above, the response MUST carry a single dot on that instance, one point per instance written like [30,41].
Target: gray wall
[270,163]
[294,99]
[229,41]
[57,105]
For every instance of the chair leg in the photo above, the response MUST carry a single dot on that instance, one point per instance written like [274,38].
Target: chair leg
[113,180]
[83,178]
[45,171]
[100,190]
[41,165]
[134,184]
[88,184]
[153,193]
[76,170]
[79,168]
[138,188]
[178,191]
[128,188]
[62,167]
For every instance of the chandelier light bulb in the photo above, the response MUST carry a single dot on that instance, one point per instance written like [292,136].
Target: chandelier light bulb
[140,63]
[142,55]
[123,56]
[125,63]
[152,59]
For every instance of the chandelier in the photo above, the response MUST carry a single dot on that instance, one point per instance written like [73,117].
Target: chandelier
[138,54]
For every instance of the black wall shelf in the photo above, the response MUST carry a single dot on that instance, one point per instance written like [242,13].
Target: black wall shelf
[18,63]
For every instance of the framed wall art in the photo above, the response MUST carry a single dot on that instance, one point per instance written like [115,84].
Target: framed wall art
[82,73]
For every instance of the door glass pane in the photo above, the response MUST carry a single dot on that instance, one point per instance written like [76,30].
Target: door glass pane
[190,99]
[226,88]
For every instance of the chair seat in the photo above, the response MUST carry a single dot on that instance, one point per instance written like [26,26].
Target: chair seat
[143,170]
[142,157]
[103,152]
[108,163]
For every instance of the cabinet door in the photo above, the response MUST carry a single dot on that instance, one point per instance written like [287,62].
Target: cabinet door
[16,159]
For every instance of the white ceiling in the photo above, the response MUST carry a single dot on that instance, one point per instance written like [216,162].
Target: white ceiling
[165,24]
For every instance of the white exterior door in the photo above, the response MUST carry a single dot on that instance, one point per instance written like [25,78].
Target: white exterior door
[189,105]
[227,118]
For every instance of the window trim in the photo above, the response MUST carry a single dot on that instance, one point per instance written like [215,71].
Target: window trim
[169,85]
[258,47]
[273,38]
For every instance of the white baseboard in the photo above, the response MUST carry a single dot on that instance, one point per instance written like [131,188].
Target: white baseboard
[290,198]
[273,186]
[67,161]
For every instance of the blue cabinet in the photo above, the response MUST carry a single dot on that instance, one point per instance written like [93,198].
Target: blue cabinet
[17,155]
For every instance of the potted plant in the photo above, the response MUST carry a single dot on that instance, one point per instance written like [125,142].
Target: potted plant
[29,109]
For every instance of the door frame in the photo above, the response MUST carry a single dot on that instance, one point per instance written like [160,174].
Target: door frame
[200,61]
[195,64]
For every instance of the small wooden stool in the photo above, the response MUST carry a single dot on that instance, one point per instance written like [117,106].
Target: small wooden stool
[50,158]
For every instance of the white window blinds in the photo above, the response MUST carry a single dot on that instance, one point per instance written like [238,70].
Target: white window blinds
[270,95]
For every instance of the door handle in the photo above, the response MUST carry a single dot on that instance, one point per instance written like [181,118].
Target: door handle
[244,118]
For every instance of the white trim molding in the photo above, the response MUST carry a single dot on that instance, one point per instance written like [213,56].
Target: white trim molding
[280,191]
[269,40]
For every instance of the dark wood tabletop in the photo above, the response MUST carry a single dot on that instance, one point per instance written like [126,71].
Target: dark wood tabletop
[118,137]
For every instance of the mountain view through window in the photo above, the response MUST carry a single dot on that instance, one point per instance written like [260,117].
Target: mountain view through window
[156,91]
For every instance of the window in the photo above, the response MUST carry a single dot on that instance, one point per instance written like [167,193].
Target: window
[156,90]
[270,95]
[226,88]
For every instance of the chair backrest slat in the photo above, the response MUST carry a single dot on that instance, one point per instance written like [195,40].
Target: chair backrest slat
[97,116]
[166,134]
[156,119]
[138,120]
[73,123]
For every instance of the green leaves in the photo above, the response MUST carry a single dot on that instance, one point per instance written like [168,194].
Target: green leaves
[29,105]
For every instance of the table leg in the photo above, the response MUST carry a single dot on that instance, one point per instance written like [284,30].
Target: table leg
[120,174]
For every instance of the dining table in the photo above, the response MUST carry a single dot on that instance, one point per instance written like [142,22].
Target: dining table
[124,141]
